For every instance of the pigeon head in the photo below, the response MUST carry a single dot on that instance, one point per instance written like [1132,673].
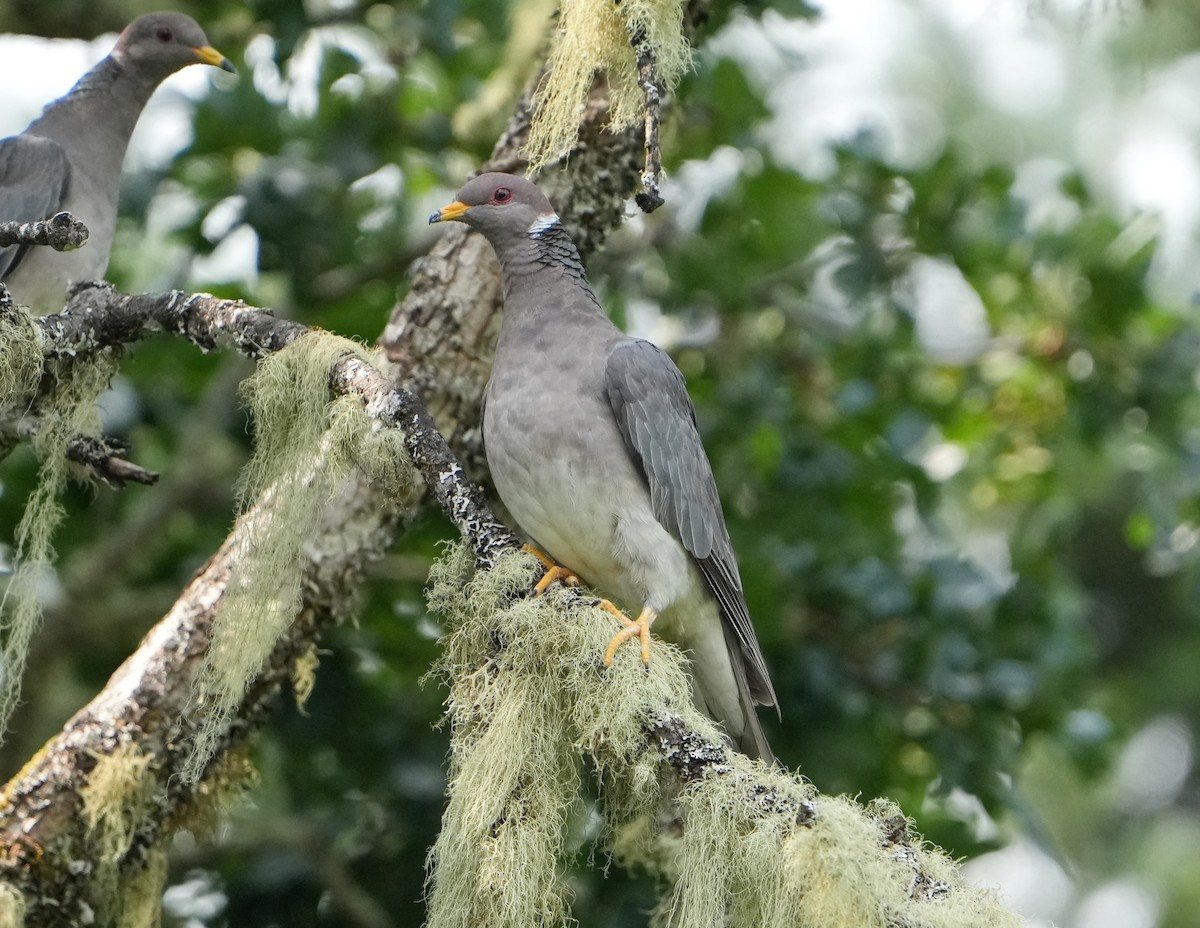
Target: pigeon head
[500,206]
[159,44]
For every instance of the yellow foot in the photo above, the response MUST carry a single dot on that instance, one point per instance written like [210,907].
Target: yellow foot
[554,571]
[639,629]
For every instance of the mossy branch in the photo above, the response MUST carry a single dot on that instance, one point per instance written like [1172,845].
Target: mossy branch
[741,844]
[148,709]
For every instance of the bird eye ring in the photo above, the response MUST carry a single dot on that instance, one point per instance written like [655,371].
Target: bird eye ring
[163,34]
[502,194]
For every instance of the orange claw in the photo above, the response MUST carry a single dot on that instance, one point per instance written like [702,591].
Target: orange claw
[554,571]
[639,629]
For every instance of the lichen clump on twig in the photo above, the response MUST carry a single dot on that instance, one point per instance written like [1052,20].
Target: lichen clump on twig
[69,410]
[597,36]
[740,843]
[305,447]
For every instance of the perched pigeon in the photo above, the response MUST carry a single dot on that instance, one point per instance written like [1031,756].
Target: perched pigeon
[592,443]
[70,157]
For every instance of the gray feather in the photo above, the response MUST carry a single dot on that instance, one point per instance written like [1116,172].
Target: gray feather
[34,174]
[656,418]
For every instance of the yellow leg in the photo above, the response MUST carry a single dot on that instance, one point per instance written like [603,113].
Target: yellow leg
[639,629]
[554,571]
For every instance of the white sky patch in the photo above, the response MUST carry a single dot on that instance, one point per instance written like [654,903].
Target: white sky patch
[699,181]
[826,302]
[234,260]
[1022,74]
[1118,904]
[48,69]
[943,460]
[385,186]
[260,62]
[1031,882]
[829,80]
[1039,183]
[951,321]
[1141,148]
[1155,765]
[226,215]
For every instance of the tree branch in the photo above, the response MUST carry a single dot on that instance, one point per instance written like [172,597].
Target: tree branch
[62,232]
[103,455]
[649,199]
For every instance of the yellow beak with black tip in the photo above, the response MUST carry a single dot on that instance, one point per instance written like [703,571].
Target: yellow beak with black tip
[454,211]
[209,55]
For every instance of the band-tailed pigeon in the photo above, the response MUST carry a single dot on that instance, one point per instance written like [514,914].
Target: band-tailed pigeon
[70,157]
[592,443]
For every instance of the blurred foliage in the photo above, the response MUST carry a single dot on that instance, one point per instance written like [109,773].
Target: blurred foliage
[970,580]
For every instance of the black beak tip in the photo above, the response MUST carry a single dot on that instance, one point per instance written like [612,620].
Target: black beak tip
[435,216]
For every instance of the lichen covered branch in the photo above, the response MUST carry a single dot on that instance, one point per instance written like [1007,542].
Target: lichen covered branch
[738,842]
[98,316]
[124,752]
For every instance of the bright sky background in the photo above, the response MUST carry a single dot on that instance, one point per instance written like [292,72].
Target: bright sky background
[1019,82]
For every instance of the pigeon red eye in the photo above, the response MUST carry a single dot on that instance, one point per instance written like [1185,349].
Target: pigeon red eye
[163,34]
[502,194]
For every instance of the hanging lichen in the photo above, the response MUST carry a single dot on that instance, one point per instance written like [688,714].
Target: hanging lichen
[227,781]
[142,892]
[12,907]
[743,845]
[120,804]
[305,447]
[600,36]
[513,773]
[69,410]
[115,799]
[20,357]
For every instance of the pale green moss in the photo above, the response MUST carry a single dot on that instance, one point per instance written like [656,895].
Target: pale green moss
[69,410]
[115,800]
[20,358]
[304,676]
[142,891]
[12,907]
[305,448]
[513,782]
[594,35]
[529,697]
[226,782]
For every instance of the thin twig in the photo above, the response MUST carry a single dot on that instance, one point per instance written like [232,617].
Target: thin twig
[62,232]
[105,457]
[649,199]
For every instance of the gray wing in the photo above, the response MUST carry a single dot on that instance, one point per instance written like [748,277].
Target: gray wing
[655,415]
[34,173]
